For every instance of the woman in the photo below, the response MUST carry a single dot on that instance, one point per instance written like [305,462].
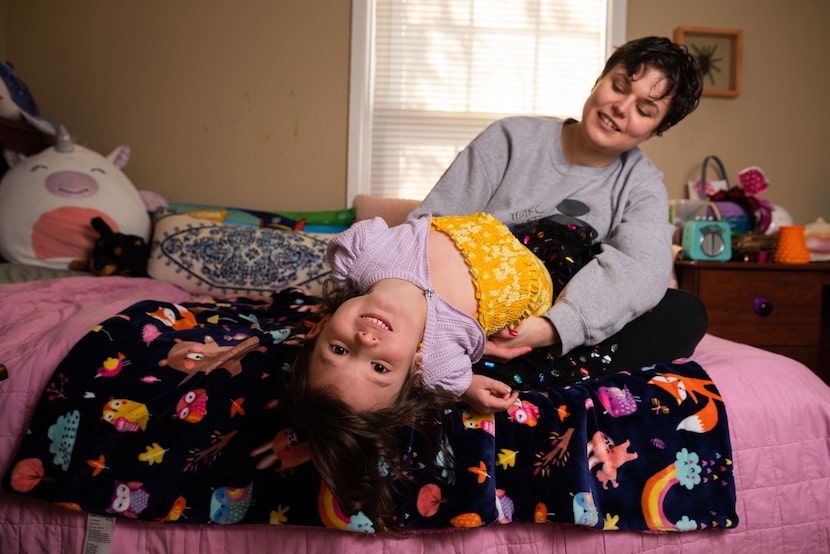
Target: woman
[615,312]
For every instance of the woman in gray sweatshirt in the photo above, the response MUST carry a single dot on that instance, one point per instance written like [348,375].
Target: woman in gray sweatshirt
[615,312]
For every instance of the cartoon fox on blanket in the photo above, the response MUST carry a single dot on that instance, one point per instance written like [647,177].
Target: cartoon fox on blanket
[683,388]
[191,357]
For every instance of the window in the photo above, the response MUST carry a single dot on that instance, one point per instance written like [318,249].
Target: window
[429,75]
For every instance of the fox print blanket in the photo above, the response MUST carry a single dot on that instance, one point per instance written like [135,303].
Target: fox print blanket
[170,413]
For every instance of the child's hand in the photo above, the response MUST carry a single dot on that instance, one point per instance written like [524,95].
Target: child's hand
[534,332]
[487,395]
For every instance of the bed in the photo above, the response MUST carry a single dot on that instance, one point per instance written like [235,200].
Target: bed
[772,456]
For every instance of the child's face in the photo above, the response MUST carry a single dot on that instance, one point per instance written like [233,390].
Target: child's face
[623,112]
[366,351]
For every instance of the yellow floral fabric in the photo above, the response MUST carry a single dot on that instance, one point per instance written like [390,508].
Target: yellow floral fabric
[511,282]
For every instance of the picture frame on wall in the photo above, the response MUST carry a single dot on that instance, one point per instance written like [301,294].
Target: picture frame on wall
[718,51]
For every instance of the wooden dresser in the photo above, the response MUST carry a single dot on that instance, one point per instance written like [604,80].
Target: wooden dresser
[778,307]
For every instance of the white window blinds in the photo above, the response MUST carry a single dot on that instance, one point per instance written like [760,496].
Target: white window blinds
[429,75]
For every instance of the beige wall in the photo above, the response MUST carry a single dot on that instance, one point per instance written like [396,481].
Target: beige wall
[246,103]
[241,103]
[781,120]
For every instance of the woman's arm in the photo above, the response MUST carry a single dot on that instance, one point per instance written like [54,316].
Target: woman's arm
[628,277]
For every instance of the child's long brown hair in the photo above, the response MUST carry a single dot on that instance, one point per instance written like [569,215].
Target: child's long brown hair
[358,453]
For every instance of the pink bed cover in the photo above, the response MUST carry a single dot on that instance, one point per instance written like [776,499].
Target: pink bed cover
[779,417]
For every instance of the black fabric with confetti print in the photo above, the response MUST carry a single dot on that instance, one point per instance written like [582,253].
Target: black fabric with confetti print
[565,244]
[170,413]
[670,330]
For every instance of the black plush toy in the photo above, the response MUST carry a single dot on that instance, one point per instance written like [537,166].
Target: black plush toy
[115,253]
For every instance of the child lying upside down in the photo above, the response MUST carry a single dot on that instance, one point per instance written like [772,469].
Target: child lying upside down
[405,317]
[431,291]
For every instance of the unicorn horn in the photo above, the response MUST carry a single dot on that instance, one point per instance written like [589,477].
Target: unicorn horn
[64,141]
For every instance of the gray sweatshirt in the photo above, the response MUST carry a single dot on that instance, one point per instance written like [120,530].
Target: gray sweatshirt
[516,170]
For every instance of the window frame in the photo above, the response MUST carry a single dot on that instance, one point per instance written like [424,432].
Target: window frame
[358,174]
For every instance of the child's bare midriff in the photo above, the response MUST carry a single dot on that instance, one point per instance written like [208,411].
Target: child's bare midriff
[448,267]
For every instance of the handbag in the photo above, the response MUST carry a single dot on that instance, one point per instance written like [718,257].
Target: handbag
[726,204]
[703,189]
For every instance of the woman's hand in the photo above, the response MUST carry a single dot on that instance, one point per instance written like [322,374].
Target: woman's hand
[487,395]
[534,332]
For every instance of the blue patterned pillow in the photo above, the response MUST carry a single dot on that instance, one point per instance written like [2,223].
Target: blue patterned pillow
[204,256]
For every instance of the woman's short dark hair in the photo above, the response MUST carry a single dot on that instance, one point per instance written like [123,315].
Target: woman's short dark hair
[685,81]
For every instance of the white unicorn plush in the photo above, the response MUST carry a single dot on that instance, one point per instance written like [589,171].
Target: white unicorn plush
[48,200]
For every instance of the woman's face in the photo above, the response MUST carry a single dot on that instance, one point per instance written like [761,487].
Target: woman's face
[366,351]
[622,111]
